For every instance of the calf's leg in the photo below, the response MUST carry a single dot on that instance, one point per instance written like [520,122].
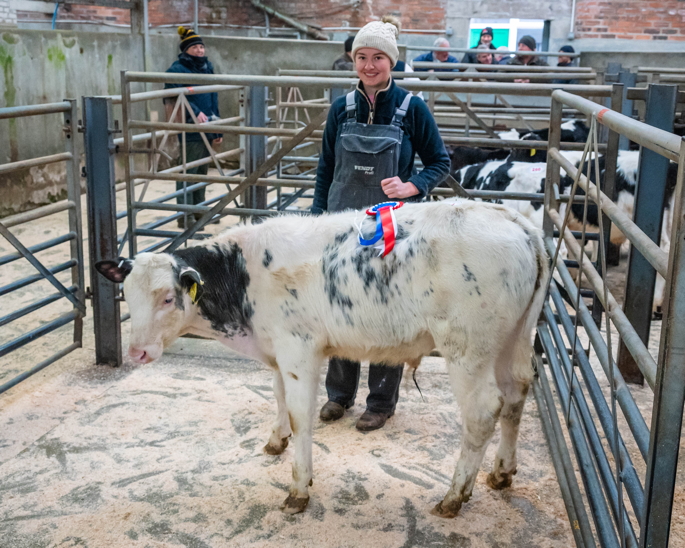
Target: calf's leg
[280,432]
[480,401]
[300,370]
[510,417]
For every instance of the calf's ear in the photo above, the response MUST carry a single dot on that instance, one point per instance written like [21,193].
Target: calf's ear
[115,271]
[192,282]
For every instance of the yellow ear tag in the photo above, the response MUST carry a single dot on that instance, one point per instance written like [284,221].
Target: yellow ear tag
[193,293]
[532,151]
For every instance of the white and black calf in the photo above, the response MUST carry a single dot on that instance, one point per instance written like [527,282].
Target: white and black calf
[573,131]
[293,291]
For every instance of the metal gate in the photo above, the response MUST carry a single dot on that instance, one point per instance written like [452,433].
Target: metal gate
[37,268]
[623,512]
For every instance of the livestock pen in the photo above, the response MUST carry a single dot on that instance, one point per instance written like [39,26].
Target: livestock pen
[181,439]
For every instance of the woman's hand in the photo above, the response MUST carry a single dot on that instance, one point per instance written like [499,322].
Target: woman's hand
[395,188]
[202,118]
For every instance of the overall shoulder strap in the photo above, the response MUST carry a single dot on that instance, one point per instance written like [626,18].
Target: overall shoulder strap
[351,104]
[402,110]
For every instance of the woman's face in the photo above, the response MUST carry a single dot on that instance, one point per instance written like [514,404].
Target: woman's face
[196,50]
[373,67]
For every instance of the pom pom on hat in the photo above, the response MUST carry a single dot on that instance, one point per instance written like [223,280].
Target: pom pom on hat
[188,38]
[378,35]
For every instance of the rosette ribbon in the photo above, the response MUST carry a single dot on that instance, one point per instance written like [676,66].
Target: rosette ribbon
[386,226]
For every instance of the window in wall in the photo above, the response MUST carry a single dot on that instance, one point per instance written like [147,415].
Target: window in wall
[507,32]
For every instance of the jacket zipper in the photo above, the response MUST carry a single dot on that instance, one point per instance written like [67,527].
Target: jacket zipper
[372,106]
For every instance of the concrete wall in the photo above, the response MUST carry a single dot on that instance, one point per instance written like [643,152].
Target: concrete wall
[48,66]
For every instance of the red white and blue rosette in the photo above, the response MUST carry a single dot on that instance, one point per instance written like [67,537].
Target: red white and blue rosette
[386,226]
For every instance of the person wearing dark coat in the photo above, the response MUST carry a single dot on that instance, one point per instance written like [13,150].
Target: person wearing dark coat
[486,36]
[565,61]
[367,157]
[344,62]
[205,106]
[437,57]
[527,43]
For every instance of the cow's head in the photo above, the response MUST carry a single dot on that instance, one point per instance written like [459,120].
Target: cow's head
[529,154]
[160,294]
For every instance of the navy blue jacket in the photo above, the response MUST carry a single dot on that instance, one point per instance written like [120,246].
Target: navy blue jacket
[203,102]
[428,58]
[420,136]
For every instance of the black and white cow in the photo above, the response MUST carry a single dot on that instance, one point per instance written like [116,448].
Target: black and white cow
[466,156]
[530,178]
[293,291]
[573,131]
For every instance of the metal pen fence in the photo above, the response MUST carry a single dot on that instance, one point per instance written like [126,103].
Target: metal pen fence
[609,435]
[610,438]
[72,291]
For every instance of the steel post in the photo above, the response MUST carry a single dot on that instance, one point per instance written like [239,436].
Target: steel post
[553,173]
[255,196]
[669,391]
[648,213]
[102,237]
[75,221]
[629,80]
[607,185]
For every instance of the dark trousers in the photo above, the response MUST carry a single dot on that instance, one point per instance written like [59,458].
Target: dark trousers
[342,381]
[195,150]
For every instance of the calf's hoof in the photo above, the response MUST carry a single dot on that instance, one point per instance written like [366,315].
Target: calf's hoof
[294,505]
[447,509]
[500,480]
[277,449]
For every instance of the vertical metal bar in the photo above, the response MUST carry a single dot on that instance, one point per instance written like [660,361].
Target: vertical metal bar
[196,16]
[130,183]
[570,491]
[255,196]
[552,176]
[608,186]
[243,138]
[669,391]
[102,233]
[649,208]
[597,502]
[75,221]
[629,80]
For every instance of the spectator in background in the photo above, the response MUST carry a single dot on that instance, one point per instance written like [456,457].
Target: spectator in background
[502,58]
[483,55]
[205,106]
[565,61]
[527,43]
[486,36]
[345,62]
[437,56]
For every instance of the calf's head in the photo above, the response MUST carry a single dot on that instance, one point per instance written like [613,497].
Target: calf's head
[160,294]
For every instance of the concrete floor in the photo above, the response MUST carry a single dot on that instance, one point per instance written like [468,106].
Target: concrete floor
[169,454]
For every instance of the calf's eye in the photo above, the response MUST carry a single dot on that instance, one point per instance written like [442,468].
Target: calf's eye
[169,300]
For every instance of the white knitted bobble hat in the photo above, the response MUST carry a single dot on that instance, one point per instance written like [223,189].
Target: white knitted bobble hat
[378,35]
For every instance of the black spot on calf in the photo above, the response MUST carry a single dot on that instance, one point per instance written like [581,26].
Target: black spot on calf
[226,279]
[267,258]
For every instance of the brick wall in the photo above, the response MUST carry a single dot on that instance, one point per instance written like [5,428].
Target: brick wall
[631,19]
[8,16]
[326,13]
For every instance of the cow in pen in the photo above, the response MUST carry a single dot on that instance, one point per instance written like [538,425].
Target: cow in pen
[292,291]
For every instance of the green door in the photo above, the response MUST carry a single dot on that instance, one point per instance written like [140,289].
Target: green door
[500,38]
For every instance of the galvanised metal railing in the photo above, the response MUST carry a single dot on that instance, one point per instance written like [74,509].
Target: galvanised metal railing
[73,292]
[593,411]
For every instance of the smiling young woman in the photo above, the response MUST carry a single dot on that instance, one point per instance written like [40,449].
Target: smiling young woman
[371,138]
